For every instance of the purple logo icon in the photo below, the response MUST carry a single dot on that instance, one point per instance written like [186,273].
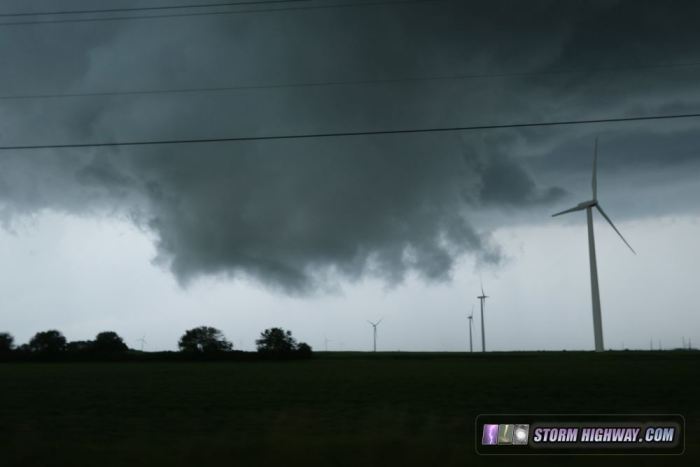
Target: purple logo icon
[490,435]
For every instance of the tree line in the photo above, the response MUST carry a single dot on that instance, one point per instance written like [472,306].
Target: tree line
[202,341]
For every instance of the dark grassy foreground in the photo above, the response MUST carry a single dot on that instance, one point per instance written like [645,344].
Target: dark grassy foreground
[346,409]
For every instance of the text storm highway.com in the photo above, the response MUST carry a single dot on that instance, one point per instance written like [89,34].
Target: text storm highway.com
[580,434]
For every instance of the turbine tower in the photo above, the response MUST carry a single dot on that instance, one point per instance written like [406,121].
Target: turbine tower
[482,298]
[471,318]
[374,329]
[588,206]
[142,341]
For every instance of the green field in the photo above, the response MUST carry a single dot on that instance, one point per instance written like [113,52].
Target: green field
[345,409]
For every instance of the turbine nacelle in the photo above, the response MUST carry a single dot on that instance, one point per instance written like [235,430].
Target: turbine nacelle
[594,204]
[483,294]
[579,207]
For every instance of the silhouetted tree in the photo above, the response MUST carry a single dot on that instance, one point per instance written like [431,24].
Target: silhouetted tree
[109,342]
[304,350]
[47,342]
[204,339]
[7,342]
[276,340]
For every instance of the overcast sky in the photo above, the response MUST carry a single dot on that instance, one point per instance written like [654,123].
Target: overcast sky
[319,235]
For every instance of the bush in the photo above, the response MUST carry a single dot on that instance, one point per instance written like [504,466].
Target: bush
[79,346]
[304,350]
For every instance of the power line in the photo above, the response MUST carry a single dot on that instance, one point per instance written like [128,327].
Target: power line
[147,8]
[250,87]
[217,13]
[352,133]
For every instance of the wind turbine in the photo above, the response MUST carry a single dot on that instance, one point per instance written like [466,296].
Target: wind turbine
[482,298]
[471,318]
[374,328]
[142,341]
[588,206]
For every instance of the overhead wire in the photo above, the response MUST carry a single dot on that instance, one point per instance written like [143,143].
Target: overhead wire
[424,130]
[336,83]
[218,12]
[146,8]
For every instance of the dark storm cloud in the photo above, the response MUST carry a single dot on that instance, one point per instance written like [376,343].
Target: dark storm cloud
[506,183]
[291,214]
[298,215]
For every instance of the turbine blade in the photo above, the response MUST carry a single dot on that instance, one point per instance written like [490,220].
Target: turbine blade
[574,209]
[594,182]
[615,228]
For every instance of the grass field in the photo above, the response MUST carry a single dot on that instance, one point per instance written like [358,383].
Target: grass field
[337,409]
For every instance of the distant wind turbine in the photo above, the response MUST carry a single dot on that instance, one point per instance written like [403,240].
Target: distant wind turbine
[471,318]
[595,294]
[374,329]
[142,341]
[482,298]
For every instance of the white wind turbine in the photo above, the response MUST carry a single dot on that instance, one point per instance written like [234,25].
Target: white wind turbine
[482,298]
[471,318]
[374,328]
[588,206]
[142,341]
